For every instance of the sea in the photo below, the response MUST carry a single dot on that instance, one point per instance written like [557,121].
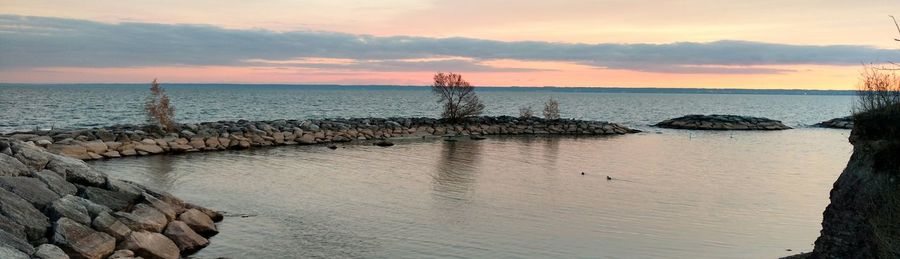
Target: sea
[673,193]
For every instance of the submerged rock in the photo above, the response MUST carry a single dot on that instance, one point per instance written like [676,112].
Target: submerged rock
[722,122]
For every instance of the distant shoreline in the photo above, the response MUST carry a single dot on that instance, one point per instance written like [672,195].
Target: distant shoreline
[560,89]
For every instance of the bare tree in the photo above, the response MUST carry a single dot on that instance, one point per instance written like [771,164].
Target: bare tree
[158,109]
[878,89]
[526,112]
[551,109]
[457,95]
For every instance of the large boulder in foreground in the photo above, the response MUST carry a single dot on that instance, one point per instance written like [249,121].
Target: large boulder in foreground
[722,122]
[863,218]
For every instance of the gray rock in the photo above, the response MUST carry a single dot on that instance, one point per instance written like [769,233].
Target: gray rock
[21,212]
[33,157]
[93,209]
[199,222]
[11,227]
[7,252]
[10,166]
[123,186]
[143,217]
[68,207]
[112,199]
[76,171]
[48,251]
[108,224]
[174,202]
[15,241]
[31,189]
[150,245]
[56,183]
[79,241]
[184,237]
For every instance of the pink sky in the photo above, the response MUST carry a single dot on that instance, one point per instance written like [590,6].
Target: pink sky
[803,24]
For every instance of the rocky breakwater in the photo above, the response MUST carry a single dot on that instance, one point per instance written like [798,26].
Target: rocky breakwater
[53,206]
[722,122]
[837,123]
[863,218]
[132,140]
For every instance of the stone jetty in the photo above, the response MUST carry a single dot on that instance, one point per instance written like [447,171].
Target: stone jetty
[135,140]
[54,206]
[722,122]
[837,123]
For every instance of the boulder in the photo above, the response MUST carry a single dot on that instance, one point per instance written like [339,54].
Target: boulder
[15,241]
[214,215]
[34,157]
[67,207]
[199,222]
[307,139]
[150,245]
[31,189]
[56,183]
[79,241]
[7,252]
[10,166]
[49,251]
[149,148]
[111,154]
[76,171]
[73,151]
[123,186]
[112,199]
[9,226]
[108,224]
[160,205]
[92,208]
[96,146]
[21,212]
[143,217]
[184,237]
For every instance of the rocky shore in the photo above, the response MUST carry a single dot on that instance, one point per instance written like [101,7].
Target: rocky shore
[837,123]
[722,122]
[132,140]
[53,206]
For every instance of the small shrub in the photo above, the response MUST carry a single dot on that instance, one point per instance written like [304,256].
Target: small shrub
[158,109]
[551,109]
[457,95]
[877,111]
[526,112]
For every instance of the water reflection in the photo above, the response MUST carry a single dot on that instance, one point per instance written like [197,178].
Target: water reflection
[455,171]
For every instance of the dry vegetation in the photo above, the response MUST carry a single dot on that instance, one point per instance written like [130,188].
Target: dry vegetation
[158,109]
[457,96]
[526,112]
[551,109]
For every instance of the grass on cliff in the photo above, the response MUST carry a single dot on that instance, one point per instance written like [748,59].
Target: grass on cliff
[877,111]
[886,224]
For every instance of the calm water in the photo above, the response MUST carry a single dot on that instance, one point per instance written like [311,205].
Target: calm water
[28,106]
[676,194]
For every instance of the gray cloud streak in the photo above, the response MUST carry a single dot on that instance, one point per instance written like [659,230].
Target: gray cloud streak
[28,42]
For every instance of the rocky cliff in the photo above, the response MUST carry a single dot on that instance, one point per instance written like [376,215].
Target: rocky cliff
[863,219]
[53,206]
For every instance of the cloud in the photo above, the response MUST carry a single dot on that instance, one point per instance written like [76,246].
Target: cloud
[29,42]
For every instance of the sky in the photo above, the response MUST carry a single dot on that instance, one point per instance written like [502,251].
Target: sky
[766,44]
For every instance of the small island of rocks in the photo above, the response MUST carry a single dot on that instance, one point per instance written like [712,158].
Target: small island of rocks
[722,122]
[837,123]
